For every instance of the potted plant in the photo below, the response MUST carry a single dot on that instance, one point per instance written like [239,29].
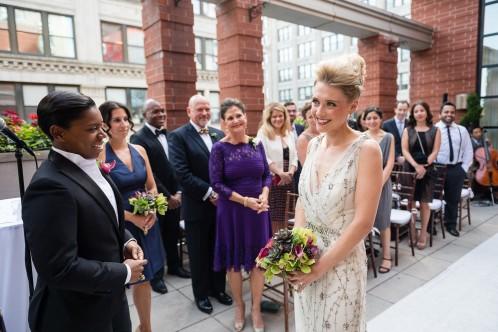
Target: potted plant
[30,133]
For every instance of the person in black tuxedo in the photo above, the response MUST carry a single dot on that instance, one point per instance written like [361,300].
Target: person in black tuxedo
[396,125]
[153,137]
[296,130]
[189,148]
[74,223]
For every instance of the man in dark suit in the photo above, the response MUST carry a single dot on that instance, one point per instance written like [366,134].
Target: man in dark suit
[396,125]
[189,148]
[154,138]
[296,129]
[74,222]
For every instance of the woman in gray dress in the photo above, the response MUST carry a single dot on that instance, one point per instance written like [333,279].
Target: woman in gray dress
[373,120]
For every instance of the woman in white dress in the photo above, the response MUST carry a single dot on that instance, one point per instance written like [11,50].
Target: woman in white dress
[339,191]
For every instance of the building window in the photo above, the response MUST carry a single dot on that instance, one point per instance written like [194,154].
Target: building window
[404,55]
[305,49]
[403,81]
[305,72]
[4,30]
[396,3]
[214,101]
[354,42]
[206,53]
[332,42]
[133,98]
[121,43]
[204,8]
[283,34]
[285,55]
[284,95]
[303,30]
[305,93]
[285,75]
[24,98]
[36,33]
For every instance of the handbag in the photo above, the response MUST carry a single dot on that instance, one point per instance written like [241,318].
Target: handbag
[431,171]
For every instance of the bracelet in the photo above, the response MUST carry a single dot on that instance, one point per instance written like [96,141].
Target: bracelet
[245,201]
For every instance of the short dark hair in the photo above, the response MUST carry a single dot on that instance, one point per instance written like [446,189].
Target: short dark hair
[447,103]
[371,109]
[106,110]
[60,108]
[288,103]
[305,109]
[228,103]
[412,122]
[403,101]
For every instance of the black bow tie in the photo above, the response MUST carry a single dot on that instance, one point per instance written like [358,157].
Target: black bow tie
[161,131]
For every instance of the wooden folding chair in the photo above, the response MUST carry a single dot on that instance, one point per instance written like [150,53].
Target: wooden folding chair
[404,191]
[436,205]
[271,290]
[464,204]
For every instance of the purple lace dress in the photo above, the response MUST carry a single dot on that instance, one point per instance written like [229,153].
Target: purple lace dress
[240,231]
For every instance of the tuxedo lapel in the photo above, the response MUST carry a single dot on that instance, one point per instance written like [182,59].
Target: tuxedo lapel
[74,173]
[152,139]
[197,138]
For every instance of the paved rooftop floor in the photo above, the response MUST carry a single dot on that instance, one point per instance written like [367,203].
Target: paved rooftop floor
[176,311]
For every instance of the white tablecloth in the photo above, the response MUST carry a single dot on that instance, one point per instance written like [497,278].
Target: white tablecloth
[14,292]
[463,298]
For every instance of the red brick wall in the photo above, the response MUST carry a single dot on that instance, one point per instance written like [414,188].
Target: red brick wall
[450,65]
[169,51]
[380,83]
[240,57]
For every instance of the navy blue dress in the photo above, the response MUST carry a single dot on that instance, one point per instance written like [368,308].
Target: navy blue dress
[129,182]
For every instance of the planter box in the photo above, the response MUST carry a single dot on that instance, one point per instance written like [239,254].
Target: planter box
[9,181]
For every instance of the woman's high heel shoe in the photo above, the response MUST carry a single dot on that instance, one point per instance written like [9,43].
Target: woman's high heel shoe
[257,329]
[238,325]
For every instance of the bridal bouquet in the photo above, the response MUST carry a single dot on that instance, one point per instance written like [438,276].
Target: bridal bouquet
[288,251]
[146,202]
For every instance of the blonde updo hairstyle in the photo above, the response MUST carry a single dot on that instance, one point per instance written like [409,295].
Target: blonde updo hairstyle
[266,127]
[346,72]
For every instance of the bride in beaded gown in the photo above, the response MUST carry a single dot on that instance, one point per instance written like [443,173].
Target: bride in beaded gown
[339,190]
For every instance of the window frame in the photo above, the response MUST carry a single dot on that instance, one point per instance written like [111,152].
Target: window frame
[19,94]
[124,35]
[203,53]
[128,99]
[47,52]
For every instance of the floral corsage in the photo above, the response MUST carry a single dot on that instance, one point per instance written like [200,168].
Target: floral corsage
[106,167]
[144,203]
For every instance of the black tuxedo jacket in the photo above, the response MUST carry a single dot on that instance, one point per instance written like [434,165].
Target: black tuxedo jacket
[299,129]
[77,249]
[164,173]
[190,156]
[390,126]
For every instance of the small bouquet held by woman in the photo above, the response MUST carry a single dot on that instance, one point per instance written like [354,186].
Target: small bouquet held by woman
[145,203]
[288,251]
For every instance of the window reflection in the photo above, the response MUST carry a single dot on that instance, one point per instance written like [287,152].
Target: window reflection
[29,31]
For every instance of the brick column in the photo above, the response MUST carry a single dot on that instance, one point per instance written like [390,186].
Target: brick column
[450,65]
[240,56]
[381,57]
[169,51]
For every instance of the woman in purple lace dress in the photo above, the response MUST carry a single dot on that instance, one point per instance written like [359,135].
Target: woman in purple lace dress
[240,175]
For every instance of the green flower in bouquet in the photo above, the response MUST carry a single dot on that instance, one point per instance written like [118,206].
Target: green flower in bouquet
[144,203]
[288,251]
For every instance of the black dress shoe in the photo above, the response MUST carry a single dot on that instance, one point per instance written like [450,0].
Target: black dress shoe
[204,305]
[180,272]
[453,232]
[223,298]
[158,286]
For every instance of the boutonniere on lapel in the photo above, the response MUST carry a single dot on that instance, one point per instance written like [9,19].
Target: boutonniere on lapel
[106,167]
[214,135]
[252,142]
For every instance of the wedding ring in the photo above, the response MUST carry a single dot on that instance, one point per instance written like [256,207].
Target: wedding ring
[141,277]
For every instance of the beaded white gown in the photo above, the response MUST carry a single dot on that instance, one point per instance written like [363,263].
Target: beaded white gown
[336,302]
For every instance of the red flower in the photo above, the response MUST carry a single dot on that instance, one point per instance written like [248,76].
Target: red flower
[106,167]
[264,252]
[33,116]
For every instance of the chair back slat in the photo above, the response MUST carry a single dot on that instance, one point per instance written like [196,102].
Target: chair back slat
[403,184]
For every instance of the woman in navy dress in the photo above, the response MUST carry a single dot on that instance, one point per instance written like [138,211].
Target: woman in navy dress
[240,175]
[132,173]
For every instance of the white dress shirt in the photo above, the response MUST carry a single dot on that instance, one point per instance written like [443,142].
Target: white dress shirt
[462,145]
[89,166]
[161,138]
[209,144]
